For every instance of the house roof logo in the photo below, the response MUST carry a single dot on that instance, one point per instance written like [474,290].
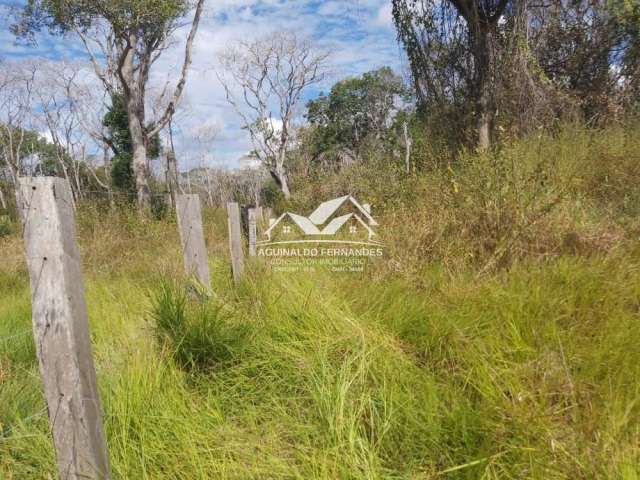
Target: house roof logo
[324,222]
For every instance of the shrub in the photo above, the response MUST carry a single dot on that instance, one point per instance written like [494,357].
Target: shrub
[197,333]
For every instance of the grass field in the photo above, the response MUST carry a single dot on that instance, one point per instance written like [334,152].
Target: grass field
[445,369]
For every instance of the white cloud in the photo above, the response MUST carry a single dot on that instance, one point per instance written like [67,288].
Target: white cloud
[385,17]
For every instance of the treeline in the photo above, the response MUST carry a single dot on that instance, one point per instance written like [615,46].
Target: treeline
[482,72]
[490,68]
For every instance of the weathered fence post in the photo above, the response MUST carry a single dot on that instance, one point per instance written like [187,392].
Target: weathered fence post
[61,330]
[235,241]
[194,250]
[253,231]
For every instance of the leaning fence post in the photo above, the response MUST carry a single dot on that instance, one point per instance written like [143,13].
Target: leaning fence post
[61,330]
[194,250]
[253,231]
[235,241]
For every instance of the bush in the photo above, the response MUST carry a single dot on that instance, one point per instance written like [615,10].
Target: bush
[198,335]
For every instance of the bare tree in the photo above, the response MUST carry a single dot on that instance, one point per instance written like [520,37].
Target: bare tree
[16,129]
[123,40]
[54,92]
[43,124]
[264,81]
[89,104]
[66,111]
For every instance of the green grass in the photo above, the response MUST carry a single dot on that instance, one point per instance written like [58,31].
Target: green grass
[429,366]
[534,374]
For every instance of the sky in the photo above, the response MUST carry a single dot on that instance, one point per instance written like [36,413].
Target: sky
[358,33]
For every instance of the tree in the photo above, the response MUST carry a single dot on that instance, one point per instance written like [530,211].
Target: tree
[440,37]
[40,130]
[16,86]
[628,14]
[116,120]
[271,74]
[357,111]
[588,49]
[130,35]
[523,63]
[56,114]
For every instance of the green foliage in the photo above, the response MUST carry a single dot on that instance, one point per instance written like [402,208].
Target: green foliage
[272,195]
[159,207]
[627,14]
[151,20]
[25,143]
[355,112]
[436,41]
[122,176]
[116,120]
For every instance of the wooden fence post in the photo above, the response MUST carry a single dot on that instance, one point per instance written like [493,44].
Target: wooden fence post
[253,231]
[194,250]
[235,241]
[61,330]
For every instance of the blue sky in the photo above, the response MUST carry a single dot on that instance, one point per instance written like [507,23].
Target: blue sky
[359,33]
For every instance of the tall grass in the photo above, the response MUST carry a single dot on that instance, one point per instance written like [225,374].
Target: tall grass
[544,355]
[428,366]
[196,333]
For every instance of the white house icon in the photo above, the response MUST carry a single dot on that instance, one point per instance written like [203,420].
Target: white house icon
[312,225]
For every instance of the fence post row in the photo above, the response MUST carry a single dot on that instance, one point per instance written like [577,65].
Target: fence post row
[196,260]
[235,241]
[61,330]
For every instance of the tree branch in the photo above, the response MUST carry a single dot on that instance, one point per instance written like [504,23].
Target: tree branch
[177,93]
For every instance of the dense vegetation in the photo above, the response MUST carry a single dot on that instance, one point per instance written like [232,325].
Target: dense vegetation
[496,339]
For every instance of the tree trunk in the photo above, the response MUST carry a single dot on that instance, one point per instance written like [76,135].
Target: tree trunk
[279,173]
[172,175]
[19,202]
[280,176]
[484,112]
[209,190]
[74,193]
[284,185]
[407,146]
[139,161]
[134,96]
[256,196]
[16,188]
